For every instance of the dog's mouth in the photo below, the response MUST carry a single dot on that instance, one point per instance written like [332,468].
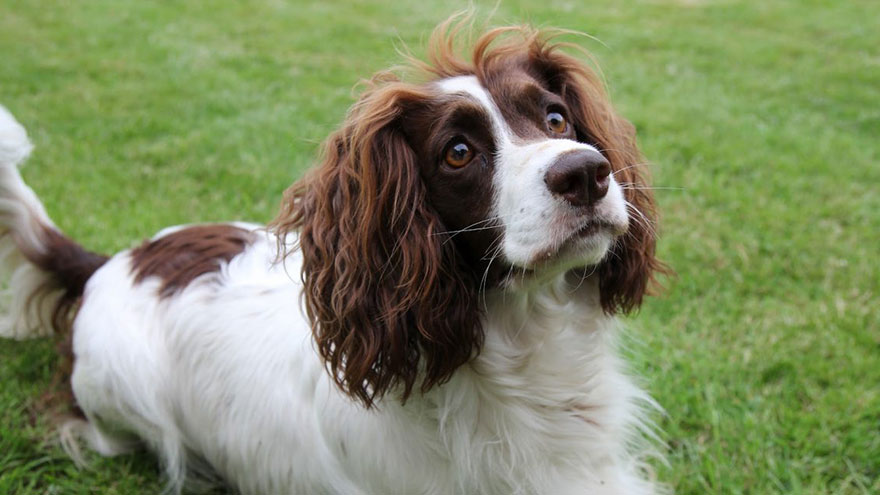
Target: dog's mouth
[583,241]
[594,227]
[585,245]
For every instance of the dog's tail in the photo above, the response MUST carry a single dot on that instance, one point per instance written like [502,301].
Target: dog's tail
[42,272]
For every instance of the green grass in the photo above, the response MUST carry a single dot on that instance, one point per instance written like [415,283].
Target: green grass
[763,119]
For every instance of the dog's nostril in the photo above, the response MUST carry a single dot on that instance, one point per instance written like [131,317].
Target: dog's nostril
[564,180]
[580,178]
[602,180]
[603,172]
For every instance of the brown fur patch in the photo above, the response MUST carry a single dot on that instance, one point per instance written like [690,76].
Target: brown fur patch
[181,257]
[71,267]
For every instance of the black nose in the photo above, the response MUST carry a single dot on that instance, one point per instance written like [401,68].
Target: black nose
[579,177]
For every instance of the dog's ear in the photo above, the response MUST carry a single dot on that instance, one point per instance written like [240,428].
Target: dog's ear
[391,306]
[628,271]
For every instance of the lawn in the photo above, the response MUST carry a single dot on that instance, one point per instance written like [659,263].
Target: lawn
[762,120]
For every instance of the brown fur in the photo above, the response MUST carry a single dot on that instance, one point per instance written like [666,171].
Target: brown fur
[392,303]
[70,266]
[182,256]
[385,295]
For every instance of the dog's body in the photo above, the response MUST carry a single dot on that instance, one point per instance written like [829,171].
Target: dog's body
[447,374]
[500,425]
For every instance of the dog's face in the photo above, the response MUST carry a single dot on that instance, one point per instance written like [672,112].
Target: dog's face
[495,174]
[505,171]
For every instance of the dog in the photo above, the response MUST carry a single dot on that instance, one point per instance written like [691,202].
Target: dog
[434,309]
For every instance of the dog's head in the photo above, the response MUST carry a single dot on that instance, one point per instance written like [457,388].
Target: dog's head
[496,173]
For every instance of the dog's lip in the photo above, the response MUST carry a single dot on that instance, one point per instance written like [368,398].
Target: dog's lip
[593,227]
[571,241]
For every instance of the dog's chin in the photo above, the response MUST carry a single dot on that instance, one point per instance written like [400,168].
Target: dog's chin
[584,249]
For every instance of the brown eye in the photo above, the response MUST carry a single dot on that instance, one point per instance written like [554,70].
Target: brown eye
[459,154]
[556,123]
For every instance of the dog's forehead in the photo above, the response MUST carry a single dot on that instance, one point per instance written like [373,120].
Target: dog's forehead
[470,87]
[512,100]
[467,85]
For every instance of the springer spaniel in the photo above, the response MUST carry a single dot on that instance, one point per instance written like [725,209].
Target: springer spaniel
[432,311]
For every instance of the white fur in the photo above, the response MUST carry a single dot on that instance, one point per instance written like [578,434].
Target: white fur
[227,370]
[225,373]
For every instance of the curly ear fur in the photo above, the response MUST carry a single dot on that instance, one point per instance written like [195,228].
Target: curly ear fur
[628,272]
[388,301]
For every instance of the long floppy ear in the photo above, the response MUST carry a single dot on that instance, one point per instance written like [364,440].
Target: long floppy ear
[390,304]
[628,271]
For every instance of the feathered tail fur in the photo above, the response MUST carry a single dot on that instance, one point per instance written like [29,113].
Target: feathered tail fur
[42,272]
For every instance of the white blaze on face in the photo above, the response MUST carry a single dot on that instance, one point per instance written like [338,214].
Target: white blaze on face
[536,224]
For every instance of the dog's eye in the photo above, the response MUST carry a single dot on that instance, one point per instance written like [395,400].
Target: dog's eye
[556,123]
[459,154]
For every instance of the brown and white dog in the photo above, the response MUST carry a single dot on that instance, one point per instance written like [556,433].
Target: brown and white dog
[433,311]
